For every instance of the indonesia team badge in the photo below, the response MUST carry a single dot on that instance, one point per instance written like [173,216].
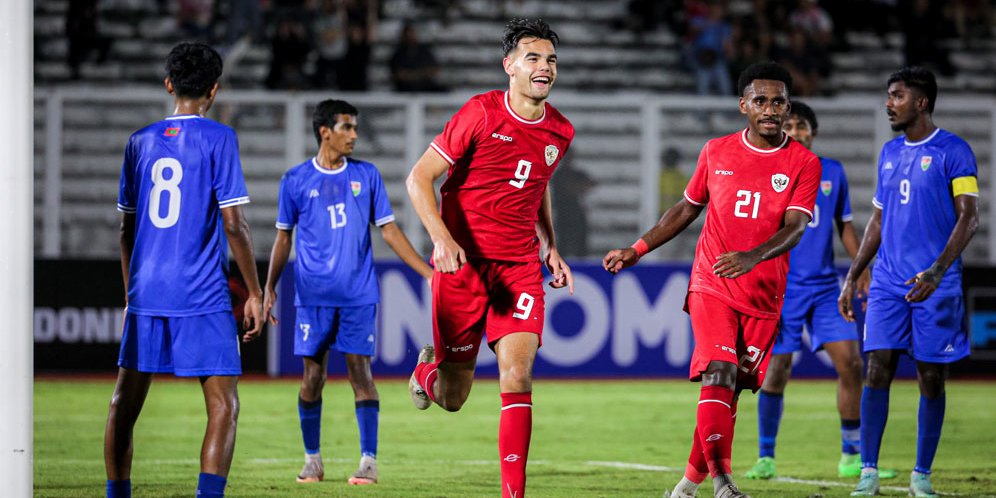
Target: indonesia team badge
[925,162]
[779,182]
[551,153]
[826,187]
[356,188]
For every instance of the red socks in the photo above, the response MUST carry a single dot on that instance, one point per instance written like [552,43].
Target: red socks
[696,470]
[425,374]
[514,430]
[715,428]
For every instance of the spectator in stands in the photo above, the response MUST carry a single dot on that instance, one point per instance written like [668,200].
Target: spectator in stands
[83,35]
[413,65]
[362,16]
[814,22]
[194,18]
[923,29]
[973,20]
[804,62]
[244,20]
[330,27]
[672,179]
[569,186]
[709,50]
[290,48]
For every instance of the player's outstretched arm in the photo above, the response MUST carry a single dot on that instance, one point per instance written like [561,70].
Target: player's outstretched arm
[399,243]
[736,263]
[237,231]
[278,260]
[674,221]
[447,255]
[127,246]
[927,281]
[555,264]
[867,250]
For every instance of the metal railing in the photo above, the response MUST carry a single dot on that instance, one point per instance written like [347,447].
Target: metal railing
[619,142]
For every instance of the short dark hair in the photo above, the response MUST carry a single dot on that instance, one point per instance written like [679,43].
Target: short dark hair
[764,71]
[193,69]
[803,111]
[919,78]
[517,29]
[325,113]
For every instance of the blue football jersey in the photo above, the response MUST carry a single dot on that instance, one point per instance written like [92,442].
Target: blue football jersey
[333,210]
[177,176]
[811,261]
[915,195]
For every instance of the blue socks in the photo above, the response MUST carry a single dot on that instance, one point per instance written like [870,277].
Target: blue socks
[769,416]
[367,414]
[311,424]
[930,418]
[874,414]
[850,436]
[211,486]
[119,489]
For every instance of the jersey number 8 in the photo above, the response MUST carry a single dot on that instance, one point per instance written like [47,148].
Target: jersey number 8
[170,186]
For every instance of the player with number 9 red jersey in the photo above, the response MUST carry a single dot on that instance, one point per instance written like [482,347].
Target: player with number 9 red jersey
[500,164]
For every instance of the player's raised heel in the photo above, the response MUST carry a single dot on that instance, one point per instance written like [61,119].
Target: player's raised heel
[313,471]
[730,491]
[367,473]
[764,468]
[677,494]
[419,397]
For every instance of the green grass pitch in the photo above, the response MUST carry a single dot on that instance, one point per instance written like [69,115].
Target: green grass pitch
[590,439]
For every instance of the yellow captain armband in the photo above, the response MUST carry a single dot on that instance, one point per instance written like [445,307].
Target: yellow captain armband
[965,185]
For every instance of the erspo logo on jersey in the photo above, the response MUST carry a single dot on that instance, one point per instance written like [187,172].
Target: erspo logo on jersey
[503,138]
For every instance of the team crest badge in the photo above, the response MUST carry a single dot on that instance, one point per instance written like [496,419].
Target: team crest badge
[826,187]
[551,153]
[925,162]
[356,188]
[779,182]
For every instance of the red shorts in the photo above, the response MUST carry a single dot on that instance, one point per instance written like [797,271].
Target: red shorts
[500,297]
[725,334]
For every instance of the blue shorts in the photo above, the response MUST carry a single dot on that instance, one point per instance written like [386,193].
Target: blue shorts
[931,331]
[815,307]
[188,346]
[347,329]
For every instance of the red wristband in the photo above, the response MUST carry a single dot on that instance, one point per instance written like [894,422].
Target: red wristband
[640,247]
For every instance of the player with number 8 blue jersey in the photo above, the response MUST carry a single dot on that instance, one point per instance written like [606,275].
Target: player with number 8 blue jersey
[180,194]
[178,175]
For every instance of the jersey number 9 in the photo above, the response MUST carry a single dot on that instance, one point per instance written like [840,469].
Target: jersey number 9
[521,174]
[161,185]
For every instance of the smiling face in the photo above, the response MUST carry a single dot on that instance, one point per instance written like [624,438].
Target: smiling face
[341,138]
[766,104]
[532,68]
[903,105]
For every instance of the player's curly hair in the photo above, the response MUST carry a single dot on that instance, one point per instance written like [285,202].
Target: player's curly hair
[919,78]
[764,71]
[193,68]
[325,113]
[517,29]
[803,111]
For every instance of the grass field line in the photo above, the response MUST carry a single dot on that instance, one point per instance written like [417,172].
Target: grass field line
[791,480]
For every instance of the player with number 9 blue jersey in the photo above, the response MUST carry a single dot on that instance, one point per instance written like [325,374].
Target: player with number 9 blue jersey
[915,182]
[177,176]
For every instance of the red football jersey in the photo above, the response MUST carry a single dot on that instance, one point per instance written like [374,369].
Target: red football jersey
[748,190]
[500,164]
